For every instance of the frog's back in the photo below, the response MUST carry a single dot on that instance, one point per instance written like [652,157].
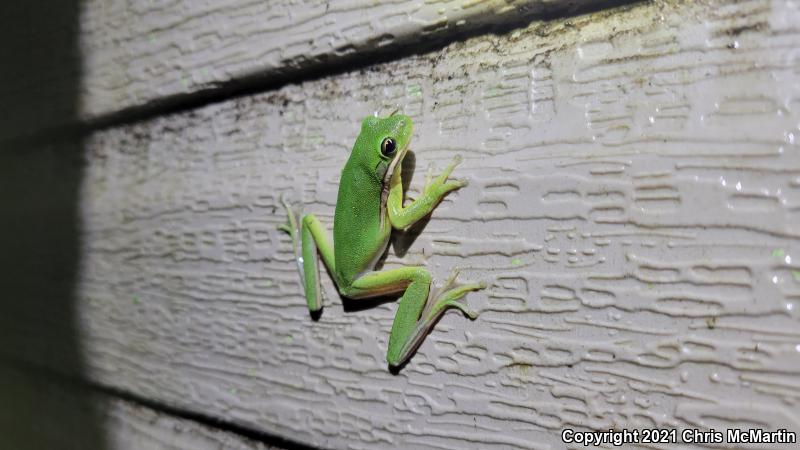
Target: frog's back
[359,234]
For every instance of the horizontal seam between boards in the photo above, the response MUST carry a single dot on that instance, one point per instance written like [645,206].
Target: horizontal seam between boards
[259,83]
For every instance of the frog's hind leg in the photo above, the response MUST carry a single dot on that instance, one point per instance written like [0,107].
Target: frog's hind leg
[417,311]
[439,301]
[314,239]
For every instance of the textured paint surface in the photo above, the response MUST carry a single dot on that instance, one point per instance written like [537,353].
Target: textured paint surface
[136,54]
[634,203]
[40,412]
[135,427]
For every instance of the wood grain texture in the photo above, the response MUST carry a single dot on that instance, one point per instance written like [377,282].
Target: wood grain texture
[40,412]
[136,54]
[633,204]
[136,427]
[88,60]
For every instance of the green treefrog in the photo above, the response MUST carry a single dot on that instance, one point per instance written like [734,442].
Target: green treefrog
[369,204]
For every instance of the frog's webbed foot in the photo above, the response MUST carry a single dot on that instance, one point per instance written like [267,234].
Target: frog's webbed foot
[291,220]
[449,295]
[439,300]
[441,185]
[290,227]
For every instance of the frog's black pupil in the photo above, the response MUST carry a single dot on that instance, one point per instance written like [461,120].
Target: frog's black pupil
[388,146]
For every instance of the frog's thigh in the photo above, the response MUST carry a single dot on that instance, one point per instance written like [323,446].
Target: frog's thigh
[375,284]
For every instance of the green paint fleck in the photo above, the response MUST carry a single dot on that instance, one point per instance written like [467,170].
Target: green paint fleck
[414,90]
[135,300]
[288,340]
[516,262]
[315,140]
[521,368]
[778,253]
[492,92]
[796,275]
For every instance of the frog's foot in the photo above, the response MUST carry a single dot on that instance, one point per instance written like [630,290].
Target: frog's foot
[441,182]
[449,296]
[291,227]
[439,300]
[291,220]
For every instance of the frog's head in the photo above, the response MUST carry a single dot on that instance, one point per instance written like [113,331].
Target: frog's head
[383,143]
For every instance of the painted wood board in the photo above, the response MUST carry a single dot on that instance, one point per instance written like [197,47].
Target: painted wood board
[133,426]
[136,54]
[93,59]
[633,206]
[42,412]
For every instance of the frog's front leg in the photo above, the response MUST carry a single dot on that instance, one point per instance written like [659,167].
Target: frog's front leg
[416,312]
[313,236]
[402,217]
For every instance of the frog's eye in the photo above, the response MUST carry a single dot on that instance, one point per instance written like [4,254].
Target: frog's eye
[388,146]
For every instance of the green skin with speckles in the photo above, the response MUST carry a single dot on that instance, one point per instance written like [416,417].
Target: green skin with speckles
[370,204]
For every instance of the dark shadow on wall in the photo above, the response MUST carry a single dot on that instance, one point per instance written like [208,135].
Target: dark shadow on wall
[40,232]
